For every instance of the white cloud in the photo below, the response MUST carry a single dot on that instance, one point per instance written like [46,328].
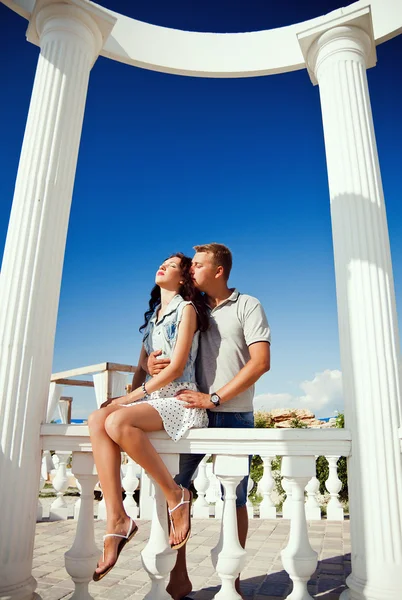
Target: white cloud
[322,395]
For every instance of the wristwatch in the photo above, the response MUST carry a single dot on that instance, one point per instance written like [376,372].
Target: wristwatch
[215,399]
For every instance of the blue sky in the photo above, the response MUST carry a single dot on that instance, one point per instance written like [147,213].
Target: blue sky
[167,162]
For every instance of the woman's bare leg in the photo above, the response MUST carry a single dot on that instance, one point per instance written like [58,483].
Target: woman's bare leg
[107,456]
[128,428]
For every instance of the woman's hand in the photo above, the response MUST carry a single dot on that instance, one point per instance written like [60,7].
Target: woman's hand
[114,401]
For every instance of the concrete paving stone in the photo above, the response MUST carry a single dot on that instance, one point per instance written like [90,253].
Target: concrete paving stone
[67,584]
[39,572]
[266,539]
[120,592]
[42,586]
[331,568]
[54,593]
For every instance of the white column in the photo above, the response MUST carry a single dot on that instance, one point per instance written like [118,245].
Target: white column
[228,557]
[70,38]
[298,558]
[83,555]
[369,341]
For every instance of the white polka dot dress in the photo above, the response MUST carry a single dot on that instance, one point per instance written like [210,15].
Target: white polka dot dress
[176,418]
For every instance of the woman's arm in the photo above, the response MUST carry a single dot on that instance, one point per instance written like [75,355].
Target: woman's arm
[140,374]
[187,328]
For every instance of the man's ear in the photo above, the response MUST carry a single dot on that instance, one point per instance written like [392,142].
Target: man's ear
[219,272]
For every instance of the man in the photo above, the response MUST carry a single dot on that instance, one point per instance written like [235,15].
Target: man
[233,354]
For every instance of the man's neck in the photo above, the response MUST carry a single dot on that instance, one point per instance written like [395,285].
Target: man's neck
[217,296]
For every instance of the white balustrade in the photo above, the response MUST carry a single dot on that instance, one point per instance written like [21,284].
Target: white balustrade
[313,510]
[298,558]
[83,555]
[287,506]
[130,483]
[298,472]
[228,557]
[265,487]
[158,558]
[59,509]
[201,484]
[334,485]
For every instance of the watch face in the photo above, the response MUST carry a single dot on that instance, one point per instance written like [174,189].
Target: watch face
[215,399]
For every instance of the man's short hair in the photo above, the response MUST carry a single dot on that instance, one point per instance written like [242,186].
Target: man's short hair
[222,256]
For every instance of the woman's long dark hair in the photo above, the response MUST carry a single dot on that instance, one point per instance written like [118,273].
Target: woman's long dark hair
[187,291]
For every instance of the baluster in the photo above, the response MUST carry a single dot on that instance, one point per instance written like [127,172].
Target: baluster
[101,508]
[313,510]
[334,485]
[265,487]
[83,555]
[201,484]
[102,515]
[158,559]
[39,510]
[228,557]
[298,558]
[77,504]
[147,494]
[287,504]
[59,509]
[214,492]
[250,506]
[130,483]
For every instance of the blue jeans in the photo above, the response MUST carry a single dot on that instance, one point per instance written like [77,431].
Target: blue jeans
[190,462]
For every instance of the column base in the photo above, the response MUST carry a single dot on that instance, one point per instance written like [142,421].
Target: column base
[360,589]
[20,591]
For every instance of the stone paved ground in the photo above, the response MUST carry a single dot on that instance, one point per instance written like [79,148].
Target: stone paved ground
[262,579]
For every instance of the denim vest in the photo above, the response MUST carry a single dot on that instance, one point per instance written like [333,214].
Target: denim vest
[162,335]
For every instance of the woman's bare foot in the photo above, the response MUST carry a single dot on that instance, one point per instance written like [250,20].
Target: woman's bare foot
[111,544]
[179,512]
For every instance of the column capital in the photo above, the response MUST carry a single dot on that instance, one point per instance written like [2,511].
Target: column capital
[69,15]
[339,38]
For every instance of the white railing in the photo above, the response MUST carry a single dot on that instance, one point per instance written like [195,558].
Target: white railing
[230,449]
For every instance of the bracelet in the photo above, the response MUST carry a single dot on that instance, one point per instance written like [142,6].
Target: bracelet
[144,389]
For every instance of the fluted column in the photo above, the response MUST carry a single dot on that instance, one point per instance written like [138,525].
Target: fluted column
[368,330]
[70,37]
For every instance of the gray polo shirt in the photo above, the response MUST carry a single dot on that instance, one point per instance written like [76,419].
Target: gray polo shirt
[224,348]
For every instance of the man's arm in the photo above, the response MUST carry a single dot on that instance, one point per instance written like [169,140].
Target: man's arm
[140,373]
[259,363]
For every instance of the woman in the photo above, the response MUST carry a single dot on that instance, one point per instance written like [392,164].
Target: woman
[173,322]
